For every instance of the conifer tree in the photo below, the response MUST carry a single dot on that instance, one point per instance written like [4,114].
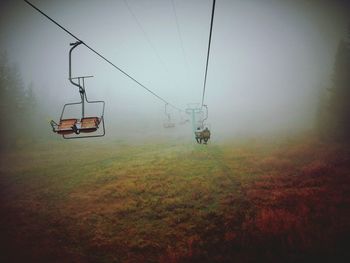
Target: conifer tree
[339,99]
[16,104]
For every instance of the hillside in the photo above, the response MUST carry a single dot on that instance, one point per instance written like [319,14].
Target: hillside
[282,200]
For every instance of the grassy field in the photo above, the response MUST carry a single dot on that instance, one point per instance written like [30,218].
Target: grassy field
[282,200]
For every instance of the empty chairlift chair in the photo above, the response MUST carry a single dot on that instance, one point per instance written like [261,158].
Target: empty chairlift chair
[73,128]
[168,123]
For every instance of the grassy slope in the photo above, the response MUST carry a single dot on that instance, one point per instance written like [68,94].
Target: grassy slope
[173,202]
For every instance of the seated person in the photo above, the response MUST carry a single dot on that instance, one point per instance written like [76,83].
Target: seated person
[206,135]
[198,135]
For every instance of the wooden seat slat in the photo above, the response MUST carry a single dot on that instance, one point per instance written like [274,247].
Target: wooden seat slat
[89,124]
[66,126]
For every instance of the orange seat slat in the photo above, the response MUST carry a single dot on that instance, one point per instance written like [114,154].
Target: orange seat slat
[66,124]
[89,122]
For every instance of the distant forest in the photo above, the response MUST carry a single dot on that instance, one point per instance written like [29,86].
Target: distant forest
[19,109]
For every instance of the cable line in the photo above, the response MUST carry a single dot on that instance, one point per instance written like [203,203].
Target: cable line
[206,67]
[144,33]
[180,36]
[101,56]
[161,61]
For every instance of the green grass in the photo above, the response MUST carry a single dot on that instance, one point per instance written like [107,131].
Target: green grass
[86,201]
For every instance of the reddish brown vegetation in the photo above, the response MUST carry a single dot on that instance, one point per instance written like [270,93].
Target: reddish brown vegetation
[286,202]
[298,210]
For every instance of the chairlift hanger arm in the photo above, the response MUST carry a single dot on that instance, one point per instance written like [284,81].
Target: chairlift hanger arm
[206,112]
[74,45]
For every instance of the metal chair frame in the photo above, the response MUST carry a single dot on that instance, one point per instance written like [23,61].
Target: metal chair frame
[81,85]
[168,124]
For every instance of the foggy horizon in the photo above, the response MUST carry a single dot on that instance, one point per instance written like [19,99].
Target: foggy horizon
[269,62]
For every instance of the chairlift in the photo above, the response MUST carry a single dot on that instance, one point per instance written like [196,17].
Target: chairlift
[78,127]
[202,133]
[168,123]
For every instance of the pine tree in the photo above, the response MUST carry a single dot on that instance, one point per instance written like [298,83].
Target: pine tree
[323,121]
[339,102]
[16,104]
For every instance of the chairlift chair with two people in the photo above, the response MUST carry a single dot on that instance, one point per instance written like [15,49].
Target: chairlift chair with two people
[202,132]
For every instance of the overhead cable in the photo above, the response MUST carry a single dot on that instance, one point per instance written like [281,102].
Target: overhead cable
[208,53]
[180,36]
[139,24]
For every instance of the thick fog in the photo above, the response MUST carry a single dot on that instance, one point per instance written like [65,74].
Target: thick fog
[269,59]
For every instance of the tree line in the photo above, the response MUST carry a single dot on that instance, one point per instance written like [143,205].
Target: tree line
[18,106]
[333,118]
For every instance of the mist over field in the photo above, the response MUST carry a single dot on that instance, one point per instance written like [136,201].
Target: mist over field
[269,62]
[268,181]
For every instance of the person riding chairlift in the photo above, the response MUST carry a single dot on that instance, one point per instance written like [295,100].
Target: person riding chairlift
[205,135]
[202,135]
[198,134]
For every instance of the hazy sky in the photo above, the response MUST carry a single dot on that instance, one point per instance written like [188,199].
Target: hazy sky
[269,58]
